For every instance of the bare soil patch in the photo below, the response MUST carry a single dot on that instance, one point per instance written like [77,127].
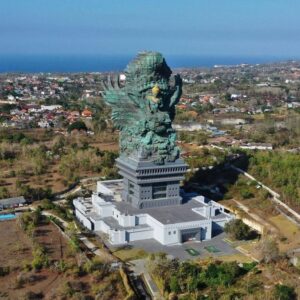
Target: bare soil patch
[51,283]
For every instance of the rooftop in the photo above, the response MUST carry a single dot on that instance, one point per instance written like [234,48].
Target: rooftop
[167,214]
[12,201]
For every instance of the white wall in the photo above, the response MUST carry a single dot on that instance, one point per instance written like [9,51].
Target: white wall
[141,219]
[83,219]
[158,230]
[117,237]
[126,221]
[140,234]
[172,238]
[105,210]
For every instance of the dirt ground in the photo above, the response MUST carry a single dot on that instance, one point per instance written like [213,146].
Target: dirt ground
[16,251]
[15,246]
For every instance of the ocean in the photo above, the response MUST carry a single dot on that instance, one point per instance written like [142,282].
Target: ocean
[102,63]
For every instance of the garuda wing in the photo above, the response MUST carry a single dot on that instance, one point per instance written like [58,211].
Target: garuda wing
[126,107]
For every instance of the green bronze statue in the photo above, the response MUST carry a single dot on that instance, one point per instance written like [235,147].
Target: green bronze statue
[144,108]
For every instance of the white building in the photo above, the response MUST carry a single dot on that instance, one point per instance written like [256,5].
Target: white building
[196,218]
[50,107]
[257,146]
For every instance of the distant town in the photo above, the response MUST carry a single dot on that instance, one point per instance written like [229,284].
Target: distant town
[214,100]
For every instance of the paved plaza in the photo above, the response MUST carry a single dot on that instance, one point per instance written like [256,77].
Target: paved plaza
[181,251]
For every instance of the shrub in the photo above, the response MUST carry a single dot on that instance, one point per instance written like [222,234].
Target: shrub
[33,296]
[4,271]
[268,249]
[237,229]
[246,194]
[40,258]
[174,285]
[78,125]
[284,292]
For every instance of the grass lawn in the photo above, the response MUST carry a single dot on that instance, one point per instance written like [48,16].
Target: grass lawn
[288,230]
[127,254]
[192,252]
[286,227]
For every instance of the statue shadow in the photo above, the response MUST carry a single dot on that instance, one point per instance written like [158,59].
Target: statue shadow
[214,183]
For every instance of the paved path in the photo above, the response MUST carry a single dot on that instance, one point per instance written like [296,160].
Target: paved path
[78,187]
[94,249]
[139,269]
[64,223]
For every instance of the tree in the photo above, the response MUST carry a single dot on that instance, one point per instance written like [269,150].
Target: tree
[227,97]
[79,125]
[237,229]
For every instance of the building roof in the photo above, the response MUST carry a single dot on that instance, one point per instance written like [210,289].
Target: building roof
[12,201]
[170,214]
[86,113]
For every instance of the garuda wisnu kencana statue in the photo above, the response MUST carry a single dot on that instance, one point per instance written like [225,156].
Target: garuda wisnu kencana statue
[144,107]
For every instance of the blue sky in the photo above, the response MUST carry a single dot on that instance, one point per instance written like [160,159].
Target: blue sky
[181,27]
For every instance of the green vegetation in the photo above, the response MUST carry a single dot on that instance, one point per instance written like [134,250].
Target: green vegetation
[129,290]
[238,230]
[32,194]
[30,220]
[15,137]
[4,192]
[197,137]
[37,168]
[284,292]
[126,253]
[78,125]
[59,210]
[192,279]
[206,157]
[266,131]
[40,258]
[4,271]
[280,171]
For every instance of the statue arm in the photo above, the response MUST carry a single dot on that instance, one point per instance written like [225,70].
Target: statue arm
[178,91]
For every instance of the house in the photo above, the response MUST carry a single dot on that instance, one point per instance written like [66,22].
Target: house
[86,113]
[182,106]
[44,124]
[50,107]
[12,202]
